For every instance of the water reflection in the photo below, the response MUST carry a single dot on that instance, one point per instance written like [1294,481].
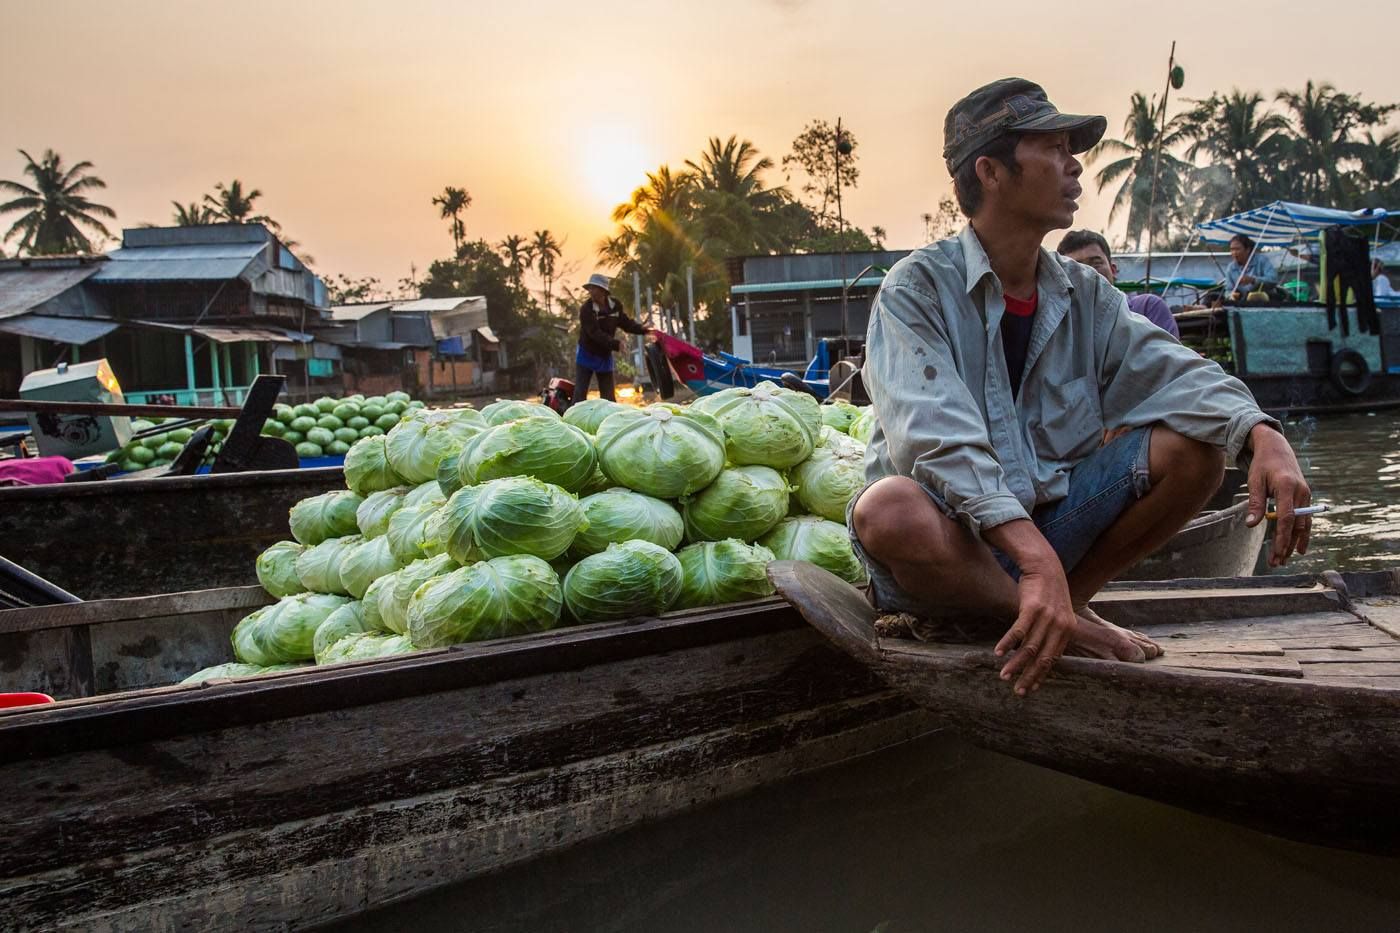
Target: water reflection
[1353,464]
[932,836]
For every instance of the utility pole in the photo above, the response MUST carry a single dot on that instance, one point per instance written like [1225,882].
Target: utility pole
[841,146]
[690,299]
[1175,78]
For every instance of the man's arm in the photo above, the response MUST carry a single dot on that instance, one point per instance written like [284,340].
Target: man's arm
[1147,378]
[629,325]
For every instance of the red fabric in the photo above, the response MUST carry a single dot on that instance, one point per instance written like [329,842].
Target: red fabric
[34,472]
[686,359]
[1022,307]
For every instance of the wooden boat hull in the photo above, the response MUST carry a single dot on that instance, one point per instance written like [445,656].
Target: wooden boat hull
[1228,723]
[287,800]
[120,538]
[1213,544]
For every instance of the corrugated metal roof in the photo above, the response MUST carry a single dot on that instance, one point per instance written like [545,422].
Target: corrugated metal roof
[74,330]
[753,288]
[22,289]
[487,334]
[358,312]
[231,333]
[192,262]
[440,304]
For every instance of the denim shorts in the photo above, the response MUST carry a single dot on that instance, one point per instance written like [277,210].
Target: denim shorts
[1101,487]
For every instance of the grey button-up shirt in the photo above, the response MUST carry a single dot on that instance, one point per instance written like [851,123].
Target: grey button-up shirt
[936,373]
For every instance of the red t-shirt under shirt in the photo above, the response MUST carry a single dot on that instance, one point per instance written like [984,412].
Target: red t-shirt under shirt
[1016,326]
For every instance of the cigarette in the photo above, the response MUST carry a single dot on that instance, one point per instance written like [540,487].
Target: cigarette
[1305,510]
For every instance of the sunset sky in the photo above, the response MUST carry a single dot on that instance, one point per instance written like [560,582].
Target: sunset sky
[350,116]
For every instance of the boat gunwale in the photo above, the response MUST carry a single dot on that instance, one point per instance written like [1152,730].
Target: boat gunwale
[157,484]
[111,719]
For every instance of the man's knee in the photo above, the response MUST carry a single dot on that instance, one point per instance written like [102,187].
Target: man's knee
[889,514]
[1180,457]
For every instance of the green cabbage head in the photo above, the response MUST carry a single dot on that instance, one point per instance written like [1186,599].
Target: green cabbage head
[364,646]
[727,571]
[366,562]
[367,467]
[839,414]
[394,596]
[589,413]
[449,481]
[285,631]
[745,502]
[503,409]
[328,515]
[494,598]
[410,532]
[429,493]
[818,541]
[318,567]
[546,448]
[662,450]
[277,569]
[620,514]
[767,425]
[372,516]
[417,444]
[830,478]
[514,515]
[235,669]
[635,578]
[864,426]
[349,619]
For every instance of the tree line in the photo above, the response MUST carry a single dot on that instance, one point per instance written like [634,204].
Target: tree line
[1233,151]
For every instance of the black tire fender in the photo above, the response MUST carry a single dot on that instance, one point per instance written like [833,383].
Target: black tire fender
[1349,372]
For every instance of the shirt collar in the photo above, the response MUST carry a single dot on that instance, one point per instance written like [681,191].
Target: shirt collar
[1048,271]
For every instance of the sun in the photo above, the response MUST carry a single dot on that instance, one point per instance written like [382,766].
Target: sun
[614,164]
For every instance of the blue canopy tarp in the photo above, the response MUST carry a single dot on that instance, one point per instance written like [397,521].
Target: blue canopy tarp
[1282,222]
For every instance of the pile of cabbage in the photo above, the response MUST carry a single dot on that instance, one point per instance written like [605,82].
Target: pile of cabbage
[460,525]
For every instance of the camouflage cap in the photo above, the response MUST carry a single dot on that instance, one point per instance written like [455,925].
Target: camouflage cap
[1011,105]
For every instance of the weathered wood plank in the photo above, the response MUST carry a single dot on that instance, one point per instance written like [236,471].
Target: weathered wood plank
[1359,669]
[1139,607]
[167,606]
[1220,646]
[1353,655]
[1238,663]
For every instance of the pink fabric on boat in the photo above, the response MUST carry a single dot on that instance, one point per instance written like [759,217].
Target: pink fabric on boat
[34,472]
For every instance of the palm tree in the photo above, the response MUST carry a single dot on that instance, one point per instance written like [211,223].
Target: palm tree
[1237,131]
[1139,152]
[453,201]
[1377,179]
[193,214]
[55,206]
[231,204]
[1324,123]
[546,250]
[519,256]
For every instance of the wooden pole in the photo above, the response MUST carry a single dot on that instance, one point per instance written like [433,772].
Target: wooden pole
[1156,161]
[103,408]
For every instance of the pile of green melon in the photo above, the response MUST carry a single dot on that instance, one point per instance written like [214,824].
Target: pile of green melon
[328,426]
[161,448]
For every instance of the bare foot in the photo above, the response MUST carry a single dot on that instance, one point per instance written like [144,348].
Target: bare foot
[1142,647]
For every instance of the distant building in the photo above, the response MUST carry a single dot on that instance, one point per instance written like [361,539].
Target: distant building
[780,306]
[430,346]
[187,314]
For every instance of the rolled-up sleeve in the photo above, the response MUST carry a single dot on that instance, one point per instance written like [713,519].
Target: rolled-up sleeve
[1146,377]
[932,425]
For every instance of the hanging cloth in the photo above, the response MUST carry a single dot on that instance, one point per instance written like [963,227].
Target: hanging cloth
[1348,269]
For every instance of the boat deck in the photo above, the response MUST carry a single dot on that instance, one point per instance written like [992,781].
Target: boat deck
[1331,645]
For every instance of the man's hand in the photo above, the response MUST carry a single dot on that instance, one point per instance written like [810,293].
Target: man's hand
[1042,630]
[1274,473]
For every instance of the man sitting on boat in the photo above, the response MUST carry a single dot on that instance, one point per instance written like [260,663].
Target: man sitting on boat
[995,365]
[1092,250]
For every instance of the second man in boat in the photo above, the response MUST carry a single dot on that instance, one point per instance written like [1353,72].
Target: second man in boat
[996,367]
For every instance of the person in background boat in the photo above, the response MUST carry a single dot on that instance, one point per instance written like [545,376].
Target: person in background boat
[1380,282]
[995,365]
[1248,271]
[1091,248]
[600,318]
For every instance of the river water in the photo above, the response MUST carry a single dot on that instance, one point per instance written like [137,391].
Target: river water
[938,835]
